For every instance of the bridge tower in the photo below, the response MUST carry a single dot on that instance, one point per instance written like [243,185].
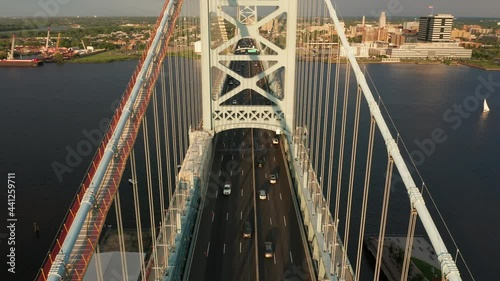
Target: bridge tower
[220,112]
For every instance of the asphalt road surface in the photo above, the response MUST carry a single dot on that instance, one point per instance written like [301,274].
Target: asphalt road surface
[221,252]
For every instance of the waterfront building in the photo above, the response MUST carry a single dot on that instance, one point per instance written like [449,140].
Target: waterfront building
[436,28]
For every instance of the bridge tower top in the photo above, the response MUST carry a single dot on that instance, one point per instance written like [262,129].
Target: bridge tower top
[248,59]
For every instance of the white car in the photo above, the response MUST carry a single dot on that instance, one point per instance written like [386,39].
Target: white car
[227,188]
[272,178]
[235,102]
[262,194]
[275,141]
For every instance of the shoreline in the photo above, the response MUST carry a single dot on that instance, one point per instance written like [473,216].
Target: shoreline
[110,56]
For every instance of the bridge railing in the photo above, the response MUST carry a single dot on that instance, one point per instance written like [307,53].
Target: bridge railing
[75,203]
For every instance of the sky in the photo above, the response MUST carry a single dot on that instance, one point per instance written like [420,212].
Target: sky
[346,8]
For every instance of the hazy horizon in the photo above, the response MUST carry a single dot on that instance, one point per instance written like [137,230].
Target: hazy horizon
[345,8]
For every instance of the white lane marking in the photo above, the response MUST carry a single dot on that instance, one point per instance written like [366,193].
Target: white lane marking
[220,171]
[274,157]
[269,133]
[213,216]
[281,198]
[270,221]
[232,157]
[242,172]
[265,175]
[224,250]
[274,259]
[227,215]
[241,192]
[284,220]
[268,197]
[241,215]
[291,258]
[208,249]
[225,134]
[240,247]
[216,193]
[234,134]
[224,144]
[261,133]
[243,132]
[231,172]
[261,145]
[222,158]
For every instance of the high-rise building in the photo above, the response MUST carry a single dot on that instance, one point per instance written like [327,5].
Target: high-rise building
[382,20]
[435,28]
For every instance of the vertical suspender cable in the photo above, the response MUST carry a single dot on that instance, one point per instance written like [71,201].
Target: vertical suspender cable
[166,132]
[351,179]
[341,153]
[409,244]
[137,213]
[321,110]
[179,92]
[183,105]
[366,189]
[383,219]
[305,90]
[326,119]
[333,129]
[314,91]
[160,175]
[121,241]
[98,263]
[299,92]
[173,123]
[154,253]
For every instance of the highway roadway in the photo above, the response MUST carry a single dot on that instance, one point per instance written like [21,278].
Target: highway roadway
[221,252]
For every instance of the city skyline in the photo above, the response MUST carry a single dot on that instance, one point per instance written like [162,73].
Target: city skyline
[351,8]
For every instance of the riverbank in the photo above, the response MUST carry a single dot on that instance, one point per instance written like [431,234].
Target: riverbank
[106,57]
[483,66]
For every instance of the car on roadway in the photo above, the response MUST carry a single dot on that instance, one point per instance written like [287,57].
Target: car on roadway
[260,162]
[247,230]
[262,194]
[275,140]
[268,249]
[272,178]
[234,102]
[227,188]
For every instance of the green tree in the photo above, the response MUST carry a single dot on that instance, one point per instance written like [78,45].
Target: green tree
[58,58]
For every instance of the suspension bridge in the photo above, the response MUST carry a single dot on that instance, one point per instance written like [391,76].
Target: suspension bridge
[239,153]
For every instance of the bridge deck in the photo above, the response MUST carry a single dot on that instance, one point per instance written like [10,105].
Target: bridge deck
[221,252]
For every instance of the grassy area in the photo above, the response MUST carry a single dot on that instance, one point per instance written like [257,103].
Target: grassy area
[429,271]
[105,57]
[484,64]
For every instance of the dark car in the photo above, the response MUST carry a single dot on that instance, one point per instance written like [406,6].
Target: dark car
[260,162]
[247,230]
[268,246]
